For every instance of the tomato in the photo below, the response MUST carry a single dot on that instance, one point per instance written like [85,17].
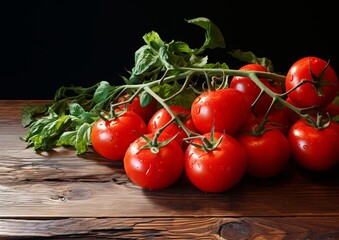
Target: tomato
[277,118]
[325,85]
[111,138]
[252,91]
[161,117]
[216,170]
[227,109]
[145,112]
[332,109]
[153,170]
[314,149]
[267,154]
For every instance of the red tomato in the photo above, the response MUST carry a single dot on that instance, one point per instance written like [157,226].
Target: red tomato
[111,138]
[314,149]
[277,118]
[162,117]
[325,85]
[292,116]
[332,109]
[267,154]
[227,109]
[145,112]
[216,170]
[248,86]
[154,170]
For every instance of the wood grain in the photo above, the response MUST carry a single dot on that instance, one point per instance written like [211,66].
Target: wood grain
[60,195]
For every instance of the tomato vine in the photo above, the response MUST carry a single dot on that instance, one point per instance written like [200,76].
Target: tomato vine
[172,73]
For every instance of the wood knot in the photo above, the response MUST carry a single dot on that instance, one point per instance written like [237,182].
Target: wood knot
[234,230]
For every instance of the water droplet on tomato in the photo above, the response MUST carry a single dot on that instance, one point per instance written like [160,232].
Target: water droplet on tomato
[154,125]
[149,170]
[198,110]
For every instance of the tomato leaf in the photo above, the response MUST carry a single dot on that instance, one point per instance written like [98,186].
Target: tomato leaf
[213,35]
[250,57]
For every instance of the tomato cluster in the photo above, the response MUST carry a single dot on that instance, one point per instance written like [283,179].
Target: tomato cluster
[229,132]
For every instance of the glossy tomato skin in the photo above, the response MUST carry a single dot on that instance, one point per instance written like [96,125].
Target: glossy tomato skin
[217,170]
[145,112]
[312,149]
[267,155]
[161,117]
[111,138]
[248,86]
[227,109]
[154,171]
[306,95]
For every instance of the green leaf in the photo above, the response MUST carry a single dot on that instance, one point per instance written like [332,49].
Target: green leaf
[29,112]
[145,60]
[75,109]
[250,57]
[83,138]
[153,39]
[145,99]
[213,35]
[102,92]
[79,139]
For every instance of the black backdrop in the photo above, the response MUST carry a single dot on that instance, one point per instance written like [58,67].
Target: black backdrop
[49,44]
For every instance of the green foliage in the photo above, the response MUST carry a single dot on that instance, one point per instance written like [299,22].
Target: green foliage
[159,65]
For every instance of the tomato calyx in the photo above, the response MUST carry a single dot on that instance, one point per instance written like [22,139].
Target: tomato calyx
[153,144]
[113,114]
[319,122]
[207,144]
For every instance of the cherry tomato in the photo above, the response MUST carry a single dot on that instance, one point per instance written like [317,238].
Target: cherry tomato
[145,112]
[267,154]
[216,170]
[161,117]
[252,91]
[314,149]
[111,138]
[151,169]
[323,89]
[227,109]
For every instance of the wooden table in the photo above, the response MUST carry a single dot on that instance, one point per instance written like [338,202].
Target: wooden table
[60,195]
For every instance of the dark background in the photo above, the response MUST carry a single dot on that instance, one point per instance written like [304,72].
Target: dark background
[49,44]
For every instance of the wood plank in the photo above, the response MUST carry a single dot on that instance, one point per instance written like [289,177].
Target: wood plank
[39,181]
[172,228]
[58,194]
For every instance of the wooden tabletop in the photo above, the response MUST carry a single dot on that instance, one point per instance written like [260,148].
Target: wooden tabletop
[60,195]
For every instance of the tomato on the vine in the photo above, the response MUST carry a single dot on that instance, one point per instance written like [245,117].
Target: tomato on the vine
[314,149]
[111,137]
[252,90]
[145,112]
[226,109]
[321,85]
[217,169]
[161,117]
[267,153]
[154,167]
